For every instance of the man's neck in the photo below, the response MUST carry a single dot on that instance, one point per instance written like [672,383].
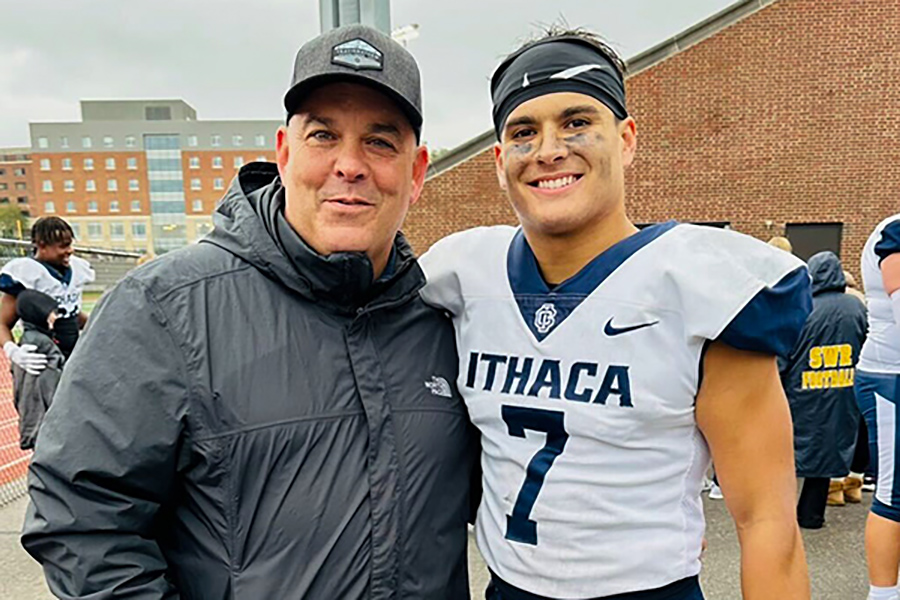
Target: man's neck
[561,257]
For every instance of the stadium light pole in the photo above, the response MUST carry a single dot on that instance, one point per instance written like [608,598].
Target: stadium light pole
[374,13]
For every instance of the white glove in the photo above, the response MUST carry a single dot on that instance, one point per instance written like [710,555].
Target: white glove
[25,356]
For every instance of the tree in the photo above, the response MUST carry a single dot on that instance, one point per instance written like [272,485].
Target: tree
[12,221]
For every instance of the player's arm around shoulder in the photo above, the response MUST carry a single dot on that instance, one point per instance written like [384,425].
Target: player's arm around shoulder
[744,415]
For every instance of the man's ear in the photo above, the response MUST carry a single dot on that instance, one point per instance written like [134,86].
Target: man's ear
[501,169]
[420,170]
[628,134]
[282,149]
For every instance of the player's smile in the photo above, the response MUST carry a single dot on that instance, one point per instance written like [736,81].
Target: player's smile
[556,184]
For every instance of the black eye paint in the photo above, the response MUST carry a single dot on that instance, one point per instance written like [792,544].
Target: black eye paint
[521,149]
[579,139]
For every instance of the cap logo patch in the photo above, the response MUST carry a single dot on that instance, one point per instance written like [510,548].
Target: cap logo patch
[357,54]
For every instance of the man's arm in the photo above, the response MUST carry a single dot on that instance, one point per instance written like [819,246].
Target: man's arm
[743,413]
[107,456]
[8,317]
[82,319]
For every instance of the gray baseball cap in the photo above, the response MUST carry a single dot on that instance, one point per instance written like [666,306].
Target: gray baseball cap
[359,54]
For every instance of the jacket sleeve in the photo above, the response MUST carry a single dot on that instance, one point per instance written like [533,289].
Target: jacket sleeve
[107,455]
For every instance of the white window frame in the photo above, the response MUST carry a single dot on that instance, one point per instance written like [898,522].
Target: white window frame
[47,186]
[134,185]
[92,206]
[69,185]
[219,183]
[112,185]
[49,207]
[195,184]
[197,205]
[90,185]
[87,142]
[43,143]
[67,164]
[110,164]
[114,206]
[45,164]
[135,203]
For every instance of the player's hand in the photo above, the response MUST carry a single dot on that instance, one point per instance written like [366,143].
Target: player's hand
[25,356]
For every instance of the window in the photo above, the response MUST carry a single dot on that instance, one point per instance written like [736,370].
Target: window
[260,141]
[21,185]
[47,185]
[217,162]
[261,159]
[130,141]
[192,141]
[90,185]
[215,140]
[76,230]
[237,140]
[133,185]
[810,238]
[238,162]
[89,164]
[203,228]
[49,207]
[4,199]
[197,205]
[110,164]
[4,186]
[69,185]
[22,199]
[70,206]
[67,164]
[218,183]
[19,172]
[135,206]
[195,184]
[139,231]
[112,185]
[107,141]
[45,164]
[86,142]
[113,206]
[43,143]
[2,171]
[95,231]
[116,231]
[194,162]
[92,206]
[64,142]
[131,163]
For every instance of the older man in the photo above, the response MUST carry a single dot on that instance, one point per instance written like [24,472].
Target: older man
[272,413]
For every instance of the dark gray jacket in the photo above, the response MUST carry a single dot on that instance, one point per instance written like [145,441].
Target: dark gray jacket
[818,375]
[245,419]
[33,394]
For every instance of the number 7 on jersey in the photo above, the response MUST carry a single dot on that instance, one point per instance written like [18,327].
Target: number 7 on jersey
[519,528]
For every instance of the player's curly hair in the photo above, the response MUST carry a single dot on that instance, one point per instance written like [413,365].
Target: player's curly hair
[563,30]
[51,230]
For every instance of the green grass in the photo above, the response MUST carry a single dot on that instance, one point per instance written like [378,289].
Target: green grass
[89,299]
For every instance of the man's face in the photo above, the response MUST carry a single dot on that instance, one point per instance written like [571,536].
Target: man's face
[57,254]
[351,168]
[561,161]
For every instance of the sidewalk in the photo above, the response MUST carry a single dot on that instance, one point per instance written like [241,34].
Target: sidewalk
[21,577]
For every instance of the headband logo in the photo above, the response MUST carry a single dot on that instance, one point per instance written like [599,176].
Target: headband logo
[358,54]
[569,73]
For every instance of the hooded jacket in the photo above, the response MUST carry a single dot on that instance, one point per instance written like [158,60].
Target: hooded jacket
[33,394]
[246,419]
[819,373]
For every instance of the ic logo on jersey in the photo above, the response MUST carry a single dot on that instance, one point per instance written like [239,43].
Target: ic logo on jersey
[545,317]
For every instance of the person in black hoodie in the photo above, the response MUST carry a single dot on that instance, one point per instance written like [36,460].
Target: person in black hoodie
[818,380]
[33,393]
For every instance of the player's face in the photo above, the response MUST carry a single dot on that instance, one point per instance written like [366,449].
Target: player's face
[56,254]
[351,168]
[561,162]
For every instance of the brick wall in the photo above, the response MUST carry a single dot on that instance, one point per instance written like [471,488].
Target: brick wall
[791,115]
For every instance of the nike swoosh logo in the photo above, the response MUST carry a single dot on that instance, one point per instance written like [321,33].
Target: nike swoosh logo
[611,331]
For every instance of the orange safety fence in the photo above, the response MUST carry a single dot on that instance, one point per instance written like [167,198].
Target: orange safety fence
[13,461]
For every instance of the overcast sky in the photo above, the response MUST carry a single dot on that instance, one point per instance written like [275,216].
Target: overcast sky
[232,59]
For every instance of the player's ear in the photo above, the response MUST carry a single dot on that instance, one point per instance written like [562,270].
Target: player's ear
[501,170]
[628,135]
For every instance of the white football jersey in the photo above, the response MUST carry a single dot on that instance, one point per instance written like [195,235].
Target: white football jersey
[66,288]
[881,351]
[584,394]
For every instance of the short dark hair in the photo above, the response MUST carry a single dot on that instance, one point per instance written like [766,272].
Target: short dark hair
[559,31]
[51,230]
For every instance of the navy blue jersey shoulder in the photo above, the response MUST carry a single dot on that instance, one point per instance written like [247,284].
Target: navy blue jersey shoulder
[772,321]
[889,242]
[533,294]
[10,286]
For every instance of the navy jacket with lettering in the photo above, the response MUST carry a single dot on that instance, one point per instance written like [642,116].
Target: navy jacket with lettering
[818,375]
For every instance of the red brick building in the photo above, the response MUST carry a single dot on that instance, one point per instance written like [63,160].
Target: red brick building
[775,117]
[16,183]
